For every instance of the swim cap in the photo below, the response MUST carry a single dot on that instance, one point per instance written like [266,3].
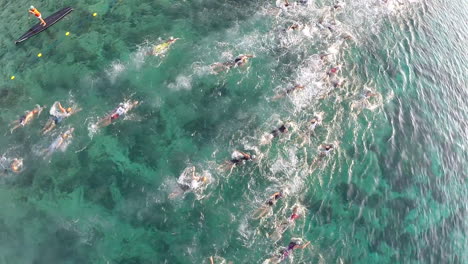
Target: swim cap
[16,165]
[69,109]
[204,179]
[32,7]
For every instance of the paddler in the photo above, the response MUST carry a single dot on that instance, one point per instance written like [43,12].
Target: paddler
[36,12]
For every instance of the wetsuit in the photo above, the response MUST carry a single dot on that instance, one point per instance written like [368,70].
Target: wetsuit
[293,217]
[238,61]
[334,69]
[57,119]
[118,112]
[275,198]
[288,251]
[22,119]
[240,160]
[281,129]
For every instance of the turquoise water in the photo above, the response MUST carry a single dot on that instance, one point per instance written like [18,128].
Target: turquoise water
[393,191]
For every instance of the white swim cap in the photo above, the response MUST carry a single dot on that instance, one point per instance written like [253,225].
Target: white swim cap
[32,7]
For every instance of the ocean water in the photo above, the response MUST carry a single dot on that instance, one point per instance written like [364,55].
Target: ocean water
[393,190]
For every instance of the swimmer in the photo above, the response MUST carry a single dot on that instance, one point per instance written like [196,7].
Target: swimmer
[294,244]
[286,4]
[334,70]
[266,139]
[337,82]
[36,13]
[322,25]
[281,130]
[26,118]
[281,228]
[241,60]
[323,56]
[309,131]
[367,99]
[57,114]
[161,48]
[237,158]
[221,260]
[347,36]
[325,149]
[60,143]
[262,211]
[295,215]
[14,165]
[121,110]
[338,5]
[194,183]
[293,89]
[314,122]
[294,26]
[368,94]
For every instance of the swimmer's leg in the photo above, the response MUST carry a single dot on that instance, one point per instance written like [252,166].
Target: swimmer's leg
[278,233]
[261,212]
[14,128]
[104,122]
[177,192]
[227,166]
[48,127]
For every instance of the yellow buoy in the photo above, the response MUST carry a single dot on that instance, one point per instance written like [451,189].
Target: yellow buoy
[12,77]
[39,55]
[94,14]
[68,33]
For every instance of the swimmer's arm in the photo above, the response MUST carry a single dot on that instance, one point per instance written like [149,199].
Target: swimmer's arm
[194,177]
[305,245]
[63,110]
[275,194]
[244,154]
[211,260]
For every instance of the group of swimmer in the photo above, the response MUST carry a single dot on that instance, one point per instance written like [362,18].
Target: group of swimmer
[192,179]
[58,114]
[332,77]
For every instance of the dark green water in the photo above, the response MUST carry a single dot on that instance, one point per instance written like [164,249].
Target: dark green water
[393,191]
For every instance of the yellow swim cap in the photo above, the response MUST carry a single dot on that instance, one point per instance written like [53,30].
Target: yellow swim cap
[69,109]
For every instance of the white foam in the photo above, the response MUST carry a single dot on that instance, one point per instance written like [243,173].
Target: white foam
[182,82]
[115,70]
